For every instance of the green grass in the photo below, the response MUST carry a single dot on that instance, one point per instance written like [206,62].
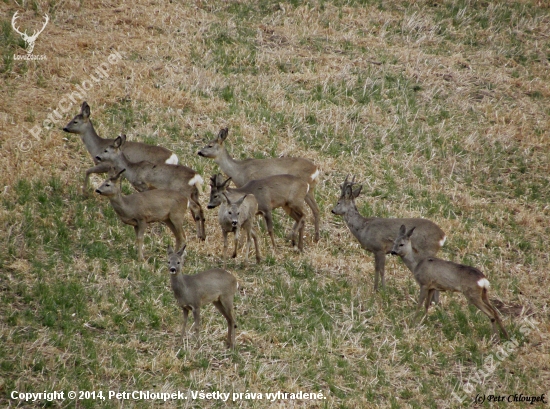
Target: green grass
[438,107]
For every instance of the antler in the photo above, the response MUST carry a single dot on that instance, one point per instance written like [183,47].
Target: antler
[13,25]
[35,34]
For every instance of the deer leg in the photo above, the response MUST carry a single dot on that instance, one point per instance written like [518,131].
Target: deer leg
[184,327]
[485,299]
[195,200]
[435,297]
[225,306]
[310,200]
[269,224]
[478,302]
[198,216]
[429,299]
[224,247]
[103,167]
[236,241]
[298,228]
[178,232]
[256,246]
[248,242]
[422,297]
[379,265]
[197,318]
[140,232]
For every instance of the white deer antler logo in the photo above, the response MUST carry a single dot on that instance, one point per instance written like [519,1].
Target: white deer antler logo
[30,40]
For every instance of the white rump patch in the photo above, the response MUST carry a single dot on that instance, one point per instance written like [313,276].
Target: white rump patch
[314,176]
[172,160]
[442,241]
[484,283]
[197,181]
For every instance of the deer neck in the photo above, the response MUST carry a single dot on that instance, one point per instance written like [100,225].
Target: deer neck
[91,139]
[122,162]
[177,282]
[356,223]
[410,259]
[119,204]
[228,165]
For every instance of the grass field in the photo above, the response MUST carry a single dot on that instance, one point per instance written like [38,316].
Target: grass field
[441,110]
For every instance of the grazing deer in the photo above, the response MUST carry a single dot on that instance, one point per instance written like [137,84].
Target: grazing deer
[242,172]
[436,274]
[135,151]
[284,191]
[193,291]
[237,216]
[376,234]
[138,209]
[146,176]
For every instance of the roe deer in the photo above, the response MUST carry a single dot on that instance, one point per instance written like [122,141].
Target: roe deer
[242,172]
[138,209]
[284,191]
[376,234]
[436,274]
[135,151]
[145,175]
[237,216]
[193,291]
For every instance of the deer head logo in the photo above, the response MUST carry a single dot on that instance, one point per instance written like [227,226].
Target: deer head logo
[30,40]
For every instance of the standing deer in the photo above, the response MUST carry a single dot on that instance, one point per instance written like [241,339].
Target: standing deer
[237,216]
[138,209]
[376,234]
[146,176]
[242,172]
[193,291]
[286,191]
[135,151]
[436,274]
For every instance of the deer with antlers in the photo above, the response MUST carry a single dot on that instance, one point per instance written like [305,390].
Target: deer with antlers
[377,234]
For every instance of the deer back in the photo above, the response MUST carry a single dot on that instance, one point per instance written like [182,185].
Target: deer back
[446,275]
[202,288]
[276,191]
[254,169]
[151,205]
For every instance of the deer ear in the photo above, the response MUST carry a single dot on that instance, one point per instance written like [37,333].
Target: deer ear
[117,176]
[213,179]
[222,135]
[357,191]
[410,232]
[226,183]
[118,141]
[402,230]
[182,250]
[226,199]
[241,200]
[85,110]
[170,250]
[348,193]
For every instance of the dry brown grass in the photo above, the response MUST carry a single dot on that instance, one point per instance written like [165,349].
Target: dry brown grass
[456,129]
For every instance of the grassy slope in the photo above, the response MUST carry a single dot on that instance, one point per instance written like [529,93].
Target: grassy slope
[441,110]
